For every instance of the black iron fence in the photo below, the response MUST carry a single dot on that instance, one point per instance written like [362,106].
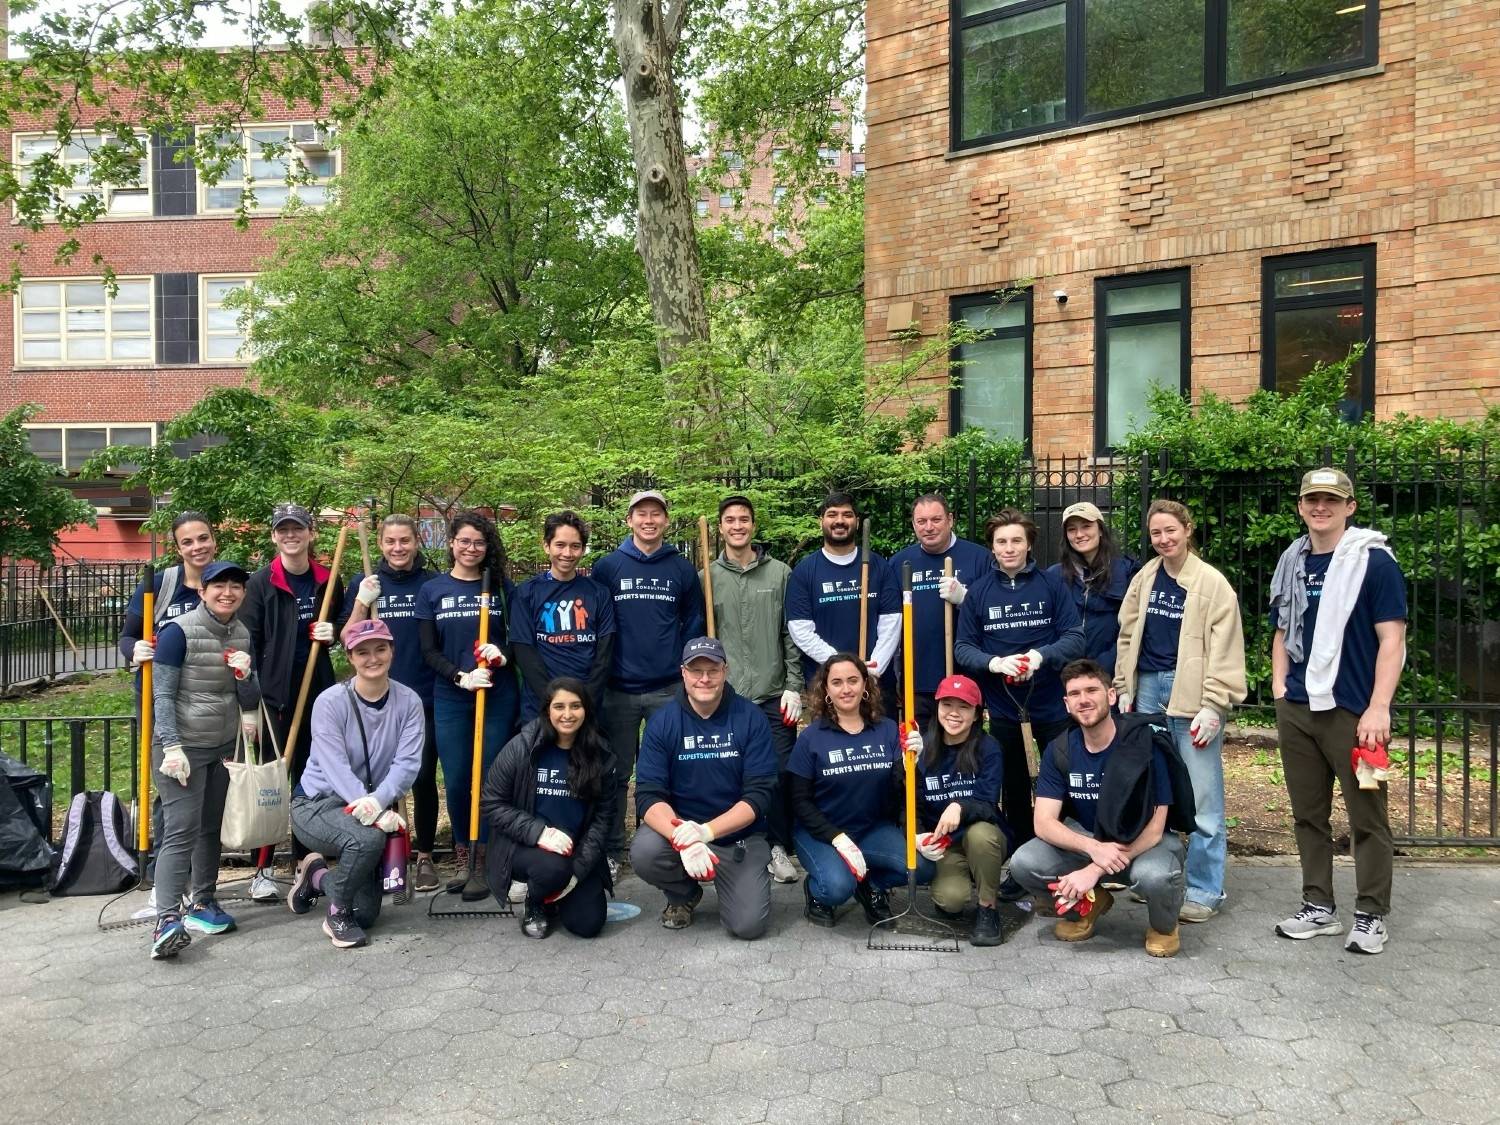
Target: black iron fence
[77,753]
[65,619]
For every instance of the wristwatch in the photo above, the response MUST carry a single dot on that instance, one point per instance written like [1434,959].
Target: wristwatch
[458,679]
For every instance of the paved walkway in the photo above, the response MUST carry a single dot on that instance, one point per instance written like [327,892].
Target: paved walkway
[469,1021]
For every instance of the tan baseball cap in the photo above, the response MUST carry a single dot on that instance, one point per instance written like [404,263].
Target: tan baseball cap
[1335,482]
[1082,510]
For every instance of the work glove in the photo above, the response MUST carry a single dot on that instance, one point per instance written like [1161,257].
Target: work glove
[390,822]
[572,882]
[1031,664]
[1371,765]
[239,663]
[555,840]
[488,655]
[913,742]
[1083,905]
[791,707]
[250,725]
[369,590]
[1206,727]
[686,833]
[951,590]
[851,855]
[698,861]
[174,764]
[1124,701]
[933,846]
[321,631]
[366,809]
[1007,666]
[144,652]
[475,680]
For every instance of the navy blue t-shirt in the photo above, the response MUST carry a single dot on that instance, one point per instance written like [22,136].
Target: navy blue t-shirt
[171,645]
[555,802]
[851,773]
[1381,598]
[940,787]
[658,609]
[1079,791]
[1162,625]
[184,598]
[304,588]
[827,594]
[970,563]
[452,604]
[397,607]
[563,621]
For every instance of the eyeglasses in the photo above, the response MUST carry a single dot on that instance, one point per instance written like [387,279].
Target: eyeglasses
[468,544]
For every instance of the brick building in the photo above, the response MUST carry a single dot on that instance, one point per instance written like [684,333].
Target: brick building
[736,201]
[1205,193]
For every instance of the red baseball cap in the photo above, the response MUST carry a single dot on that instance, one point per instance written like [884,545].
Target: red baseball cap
[959,687]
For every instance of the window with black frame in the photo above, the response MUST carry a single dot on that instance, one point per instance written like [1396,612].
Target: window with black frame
[1142,339]
[1034,66]
[1314,309]
[992,380]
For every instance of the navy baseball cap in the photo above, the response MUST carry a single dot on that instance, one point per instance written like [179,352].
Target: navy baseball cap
[291,513]
[225,571]
[704,646]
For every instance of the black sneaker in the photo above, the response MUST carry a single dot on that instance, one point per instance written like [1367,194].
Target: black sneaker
[343,930]
[536,924]
[817,913]
[986,927]
[876,904]
[303,896]
[1012,891]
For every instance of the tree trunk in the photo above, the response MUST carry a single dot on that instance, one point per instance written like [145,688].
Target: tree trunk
[646,40]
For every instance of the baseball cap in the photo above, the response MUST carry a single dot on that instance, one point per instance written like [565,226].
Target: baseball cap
[959,687]
[370,629]
[704,646]
[291,513]
[1335,482]
[1082,510]
[649,494]
[221,571]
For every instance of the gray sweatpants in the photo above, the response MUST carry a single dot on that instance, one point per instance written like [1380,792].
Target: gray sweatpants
[741,880]
[187,855]
[621,715]
[1156,875]
[322,824]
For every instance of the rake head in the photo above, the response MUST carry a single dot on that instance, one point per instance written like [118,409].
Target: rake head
[912,931]
[474,898]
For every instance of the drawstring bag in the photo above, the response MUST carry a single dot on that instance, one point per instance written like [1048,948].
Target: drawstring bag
[256,809]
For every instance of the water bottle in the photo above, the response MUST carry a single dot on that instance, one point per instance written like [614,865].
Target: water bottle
[393,866]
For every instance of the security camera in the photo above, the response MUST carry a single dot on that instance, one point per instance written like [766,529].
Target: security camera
[1061,296]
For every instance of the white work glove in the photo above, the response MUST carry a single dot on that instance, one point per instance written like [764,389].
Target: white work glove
[369,590]
[572,882]
[686,833]
[914,743]
[1007,666]
[365,809]
[932,846]
[489,655]
[1124,701]
[555,840]
[174,764]
[475,680]
[791,707]
[1206,727]
[250,725]
[144,652]
[322,632]
[389,821]
[1031,664]
[849,852]
[239,663]
[698,861]
[952,590]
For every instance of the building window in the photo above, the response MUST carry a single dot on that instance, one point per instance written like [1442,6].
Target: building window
[77,322]
[733,160]
[859,164]
[992,380]
[778,194]
[1314,308]
[128,194]
[1030,66]
[701,207]
[68,447]
[223,339]
[273,155]
[726,200]
[828,157]
[1142,338]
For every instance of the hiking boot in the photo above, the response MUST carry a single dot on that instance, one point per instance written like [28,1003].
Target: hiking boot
[1081,929]
[343,930]
[424,877]
[460,869]
[1195,911]
[303,894]
[1367,935]
[208,917]
[1012,891]
[780,867]
[263,886]
[679,915]
[876,904]
[1162,945]
[517,891]
[170,939]
[819,914]
[536,924]
[986,927]
[479,851]
[1310,921]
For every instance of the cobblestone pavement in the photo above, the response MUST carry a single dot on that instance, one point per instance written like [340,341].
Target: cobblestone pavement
[469,1021]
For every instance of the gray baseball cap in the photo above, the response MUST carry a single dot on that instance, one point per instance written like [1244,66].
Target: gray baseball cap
[291,513]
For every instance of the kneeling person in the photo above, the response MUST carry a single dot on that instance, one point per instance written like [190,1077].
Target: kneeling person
[367,738]
[1105,833]
[704,780]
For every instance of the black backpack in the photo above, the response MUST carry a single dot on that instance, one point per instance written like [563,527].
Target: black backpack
[95,857]
[1131,805]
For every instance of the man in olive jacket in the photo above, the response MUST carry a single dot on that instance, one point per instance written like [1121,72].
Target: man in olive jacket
[749,592]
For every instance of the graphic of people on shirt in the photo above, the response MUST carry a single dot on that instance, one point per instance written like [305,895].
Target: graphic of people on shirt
[569,616]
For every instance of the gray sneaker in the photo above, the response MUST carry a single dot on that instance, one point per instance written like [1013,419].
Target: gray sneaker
[1368,934]
[1311,921]
[780,867]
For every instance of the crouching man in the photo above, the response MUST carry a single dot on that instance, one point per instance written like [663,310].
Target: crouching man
[1102,797]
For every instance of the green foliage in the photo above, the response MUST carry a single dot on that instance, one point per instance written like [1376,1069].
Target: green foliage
[33,506]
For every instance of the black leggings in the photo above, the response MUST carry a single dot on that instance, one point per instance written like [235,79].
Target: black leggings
[424,791]
[545,873]
[1018,784]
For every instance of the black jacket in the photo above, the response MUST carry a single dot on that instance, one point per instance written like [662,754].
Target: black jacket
[1126,791]
[270,613]
[508,802]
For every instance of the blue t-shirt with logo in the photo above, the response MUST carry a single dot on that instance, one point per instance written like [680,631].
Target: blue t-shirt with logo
[929,637]
[851,773]
[1079,791]
[555,802]
[397,607]
[563,621]
[1382,597]
[304,588]
[1162,625]
[827,594]
[453,604]
[939,787]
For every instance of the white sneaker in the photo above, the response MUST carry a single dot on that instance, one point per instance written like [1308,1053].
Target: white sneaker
[517,891]
[1367,935]
[1310,921]
[780,867]
[263,887]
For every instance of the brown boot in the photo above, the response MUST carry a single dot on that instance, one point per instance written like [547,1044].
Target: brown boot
[1162,945]
[1081,929]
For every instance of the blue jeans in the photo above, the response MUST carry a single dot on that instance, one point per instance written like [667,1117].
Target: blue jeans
[832,883]
[1208,846]
[453,727]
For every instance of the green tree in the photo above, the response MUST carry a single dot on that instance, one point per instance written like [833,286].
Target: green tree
[33,507]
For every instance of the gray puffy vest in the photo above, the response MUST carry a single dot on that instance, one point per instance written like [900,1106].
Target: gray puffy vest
[208,709]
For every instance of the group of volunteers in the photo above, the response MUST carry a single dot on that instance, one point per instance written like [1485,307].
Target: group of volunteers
[1063,748]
